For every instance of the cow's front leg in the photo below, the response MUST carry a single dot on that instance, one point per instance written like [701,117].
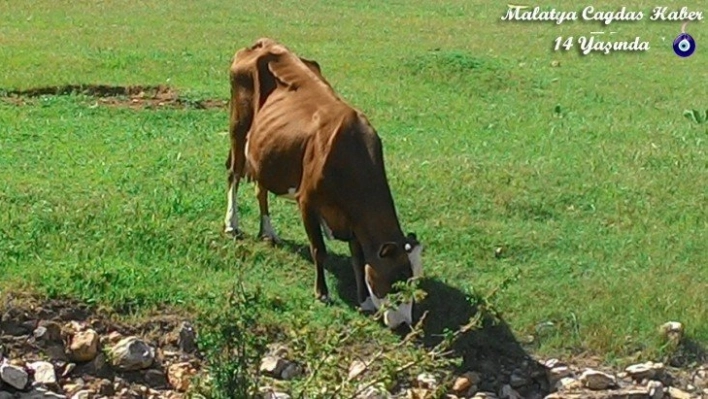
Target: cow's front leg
[362,294]
[231,218]
[318,250]
[266,230]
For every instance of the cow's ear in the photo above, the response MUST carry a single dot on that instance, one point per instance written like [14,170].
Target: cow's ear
[312,64]
[387,249]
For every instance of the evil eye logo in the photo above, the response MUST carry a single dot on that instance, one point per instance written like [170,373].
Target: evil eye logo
[684,45]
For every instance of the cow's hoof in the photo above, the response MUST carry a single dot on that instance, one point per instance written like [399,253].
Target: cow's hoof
[234,233]
[324,298]
[272,240]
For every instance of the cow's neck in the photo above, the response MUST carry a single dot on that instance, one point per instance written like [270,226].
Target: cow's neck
[380,225]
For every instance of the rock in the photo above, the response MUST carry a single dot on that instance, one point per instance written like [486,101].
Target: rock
[557,373]
[498,252]
[646,370]
[426,381]
[553,363]
[112,338]
[6,395]
[15,323]
[278,350]
[187,338]
[597,380]
[292,370]
[41,393]
[102,387]
[377,391]
[48,332]
[484,395]
[155,379]
[676,393]
[465,382]
[419,393]
[71,388]
[44,373]
[55,351]
[655,390]
[98,367]
[518,379]
[567,384]
[672,330]
[179,375]
[14,376]
[68,369]
[132,354]
[356,368]
[83,346]
[273,365]
[700,378]
[507,392]
[625,393]
[82,394]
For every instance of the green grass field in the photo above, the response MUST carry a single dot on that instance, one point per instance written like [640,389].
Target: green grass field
[585,171]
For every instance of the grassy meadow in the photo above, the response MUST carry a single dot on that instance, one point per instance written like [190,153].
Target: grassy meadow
[583,169]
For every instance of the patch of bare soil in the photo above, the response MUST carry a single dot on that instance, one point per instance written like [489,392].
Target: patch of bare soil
[65,349]
[135,97]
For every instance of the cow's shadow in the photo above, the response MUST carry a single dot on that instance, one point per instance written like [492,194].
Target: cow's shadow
[490,349]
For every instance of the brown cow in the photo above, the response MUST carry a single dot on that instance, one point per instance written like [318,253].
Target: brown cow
[295,137]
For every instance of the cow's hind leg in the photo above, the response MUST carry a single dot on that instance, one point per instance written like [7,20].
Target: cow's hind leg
[266,230]
[311,220]
[231,218]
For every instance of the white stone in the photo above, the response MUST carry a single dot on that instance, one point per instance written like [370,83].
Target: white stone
[132,354]
[82,394]
[273,365]
[44,372]
[426,381]
[676,393]
[355,369]
[597,380]
[567,384]
[646,370]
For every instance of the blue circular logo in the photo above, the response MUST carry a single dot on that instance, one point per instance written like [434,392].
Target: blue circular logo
[684,45]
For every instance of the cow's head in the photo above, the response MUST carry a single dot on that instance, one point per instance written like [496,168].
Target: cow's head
[396,262]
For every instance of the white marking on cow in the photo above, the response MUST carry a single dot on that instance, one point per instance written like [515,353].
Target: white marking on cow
[267,229]
[231,218]
[327,231]
[392,318]
[247,160]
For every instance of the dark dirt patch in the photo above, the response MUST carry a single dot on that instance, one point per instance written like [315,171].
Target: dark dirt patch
[135,97]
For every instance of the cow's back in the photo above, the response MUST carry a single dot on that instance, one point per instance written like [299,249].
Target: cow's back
[289,137]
